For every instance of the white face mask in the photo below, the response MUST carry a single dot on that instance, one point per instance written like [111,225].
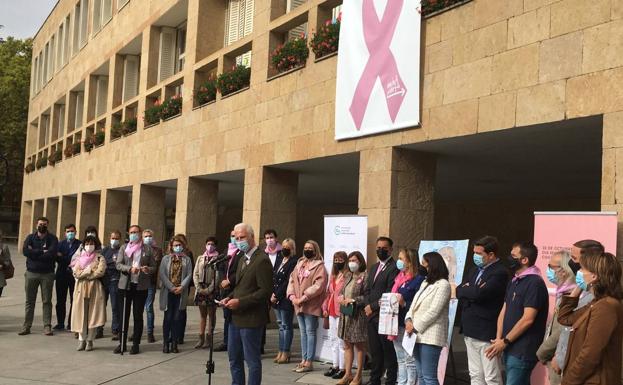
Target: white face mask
[89,248]
[353,266]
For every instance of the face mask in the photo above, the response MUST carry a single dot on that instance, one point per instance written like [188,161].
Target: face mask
[551,276]
[133,237]
[270,242]
[575,267]
[579,280]
[91,235]
[400,265]
[147,240]
[232,240]
[243,245]
[114,243]
[382,254]
[309,253]
[353,266]
[89,248]
[286,252]
[210,248]
[513,263]
[42,229]
[177,249]
[71,235]
[478,260]
[339,265]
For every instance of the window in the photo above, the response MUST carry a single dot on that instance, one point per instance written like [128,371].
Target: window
[131,66]
[67,41]
[172,48]
[52,58]
[239,22]
[102,13]
[76,19]
[60,47]
[101,95]
[180,50]
[79,109]
[35,76]
[84,13]
[121,3]
[46,57]
[41,64]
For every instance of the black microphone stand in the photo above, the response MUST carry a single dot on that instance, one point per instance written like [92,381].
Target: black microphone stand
[210,362]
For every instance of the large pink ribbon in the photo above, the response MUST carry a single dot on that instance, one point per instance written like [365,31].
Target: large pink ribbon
[378,36]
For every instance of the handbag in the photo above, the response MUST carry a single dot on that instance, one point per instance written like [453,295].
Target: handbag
[325,323]
[348,310]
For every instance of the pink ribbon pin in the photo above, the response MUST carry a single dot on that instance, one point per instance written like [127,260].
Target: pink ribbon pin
[378,36]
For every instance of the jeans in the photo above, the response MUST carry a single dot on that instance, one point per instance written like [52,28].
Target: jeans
[426,362]
[244,344]
[286,333]
[149,308]
[482,371]
[31,284]
[226,323]
[308,324]
[64,282]
[517,370]
[337,345]
[135,300]
[407,373]
[112,291]
[171,324]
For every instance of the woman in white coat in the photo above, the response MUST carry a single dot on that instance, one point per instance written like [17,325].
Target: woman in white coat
[428,318]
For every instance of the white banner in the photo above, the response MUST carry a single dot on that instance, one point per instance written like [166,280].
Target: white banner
[378,69]
[346,233]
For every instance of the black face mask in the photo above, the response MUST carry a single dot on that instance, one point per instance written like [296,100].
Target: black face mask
[422,271]
[382,254]
[286,252]
[42,229]
[309,253]
[339,265]
[513,263]
[574,266]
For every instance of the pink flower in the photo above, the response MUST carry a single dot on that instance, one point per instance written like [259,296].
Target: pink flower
[306,273]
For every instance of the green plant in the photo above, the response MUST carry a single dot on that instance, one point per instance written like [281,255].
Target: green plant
[236,79]
[76,148]
[42,162]
[129,126]
[291,54]
[89,142]
[430,6]
[327,39]
[206,91]
[171,107]
[30,167]
[68,151]
[55,157]
[152,114]
[99,138]
[116,130]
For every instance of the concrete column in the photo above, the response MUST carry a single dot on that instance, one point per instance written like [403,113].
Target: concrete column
[612,169]
[89,212]
[150,209]
[196,210]
[51,212]
[396,193]
[25,222]
[270,199]
[67,211]
[37,212]
[114,212]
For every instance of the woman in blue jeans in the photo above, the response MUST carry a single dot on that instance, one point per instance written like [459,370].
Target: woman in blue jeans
[284,264]
[427,318]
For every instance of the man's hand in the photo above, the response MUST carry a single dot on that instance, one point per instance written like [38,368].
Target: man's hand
[368,310]
[233,304]
[273,299]
[225,283]
[134,270]
[145,269]
[224,301]
[495,349]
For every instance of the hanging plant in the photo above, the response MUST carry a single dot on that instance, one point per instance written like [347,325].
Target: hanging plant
[116,130]
[326,40]
[42,162]
[430,6]
[292,54]
[100,136]
[236,79]
[76,148]
[129,126]
[152,114]
[171,107]
[89,142]
[30,167]
[55,157]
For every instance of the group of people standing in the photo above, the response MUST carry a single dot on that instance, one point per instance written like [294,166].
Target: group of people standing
[504,317]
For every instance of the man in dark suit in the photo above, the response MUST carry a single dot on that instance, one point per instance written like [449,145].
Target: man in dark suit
[381,278]
[248,303]
[227,270]
[482,297]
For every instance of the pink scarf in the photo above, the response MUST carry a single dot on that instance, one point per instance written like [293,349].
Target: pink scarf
[564,289]
[273,251]
[231,249]
[208,255]
[532,270]
[401,278]
[131,248]
[85,259]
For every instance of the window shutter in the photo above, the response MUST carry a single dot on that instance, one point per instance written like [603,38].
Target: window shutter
[79,109]
[101,96]
[130,77]
[292,4]
[66,45]
[59,46]
[106,10]
[248,18]
[167,53]
[233,21]
[84,13]
[296,32]
[97,15]
[61,121]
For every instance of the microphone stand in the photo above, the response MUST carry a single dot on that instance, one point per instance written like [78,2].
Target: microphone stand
[124,325]
[210,362]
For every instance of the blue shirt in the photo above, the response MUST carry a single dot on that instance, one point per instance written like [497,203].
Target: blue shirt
[527,291]
[66,249]
[408,290]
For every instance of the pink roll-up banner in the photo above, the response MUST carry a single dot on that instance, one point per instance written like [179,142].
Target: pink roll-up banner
[554,231]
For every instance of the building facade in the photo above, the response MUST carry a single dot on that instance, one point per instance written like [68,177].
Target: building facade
[521,108]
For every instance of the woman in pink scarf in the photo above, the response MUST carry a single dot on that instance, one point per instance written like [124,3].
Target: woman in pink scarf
[205,283]
[331,310]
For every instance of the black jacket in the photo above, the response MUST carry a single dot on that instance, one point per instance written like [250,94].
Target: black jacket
[40,253]
[481,303]
[281,278]
[377,287]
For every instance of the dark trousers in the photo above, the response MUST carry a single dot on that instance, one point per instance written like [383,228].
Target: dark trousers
[64,282]
[383,356]
[135,300]
[111,289]
[172,325]
[244,345]
[182,331]
[226,322]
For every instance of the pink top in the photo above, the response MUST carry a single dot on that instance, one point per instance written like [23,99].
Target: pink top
[331,303]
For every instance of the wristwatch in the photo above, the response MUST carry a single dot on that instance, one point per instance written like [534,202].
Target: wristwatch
[506,341]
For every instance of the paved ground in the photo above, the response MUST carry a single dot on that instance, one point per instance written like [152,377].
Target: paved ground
[39,359]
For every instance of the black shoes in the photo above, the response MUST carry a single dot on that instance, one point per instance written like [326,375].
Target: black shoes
[118,349]
[115,337]
[58,327]
[99,333]
[134,349]
[339,375]
[331,372]
[165,348]
[221,348]
[174,348]
[150,338]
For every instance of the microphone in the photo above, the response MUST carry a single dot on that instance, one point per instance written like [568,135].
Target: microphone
[217,260]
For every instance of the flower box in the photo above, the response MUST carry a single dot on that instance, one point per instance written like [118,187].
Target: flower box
[76,148]
[327,39]
[206,92]
[152,114]
[30,167]
[431,7]
[55,157]
[171,107]
[89,142]
[42,162]
[129,126]
[236,79]
[292,54]
[100,137]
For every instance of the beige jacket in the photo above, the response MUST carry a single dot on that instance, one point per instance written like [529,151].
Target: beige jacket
[88,285]
[311,287]
[429,313]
